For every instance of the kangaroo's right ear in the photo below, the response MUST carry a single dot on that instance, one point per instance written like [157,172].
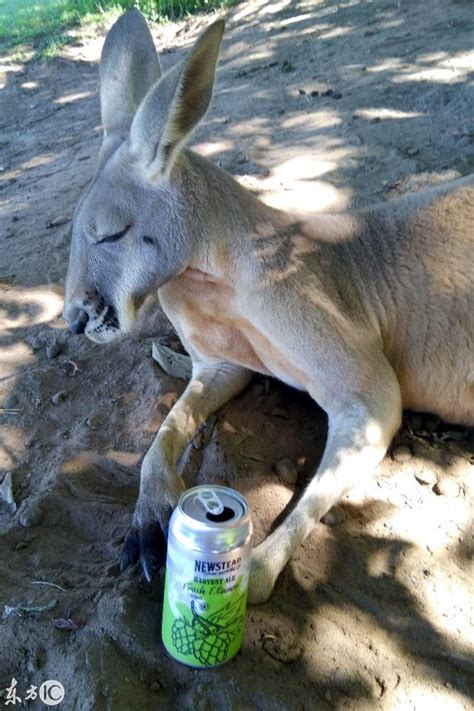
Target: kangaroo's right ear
[129,66]
[176,105]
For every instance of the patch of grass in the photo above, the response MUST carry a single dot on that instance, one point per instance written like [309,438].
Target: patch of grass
[45,21]
[52,47]
[22,21]
[156,9]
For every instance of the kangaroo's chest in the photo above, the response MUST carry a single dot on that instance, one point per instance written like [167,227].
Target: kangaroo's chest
[209,320]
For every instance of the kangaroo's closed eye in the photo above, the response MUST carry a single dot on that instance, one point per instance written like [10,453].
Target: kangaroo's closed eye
[113,238]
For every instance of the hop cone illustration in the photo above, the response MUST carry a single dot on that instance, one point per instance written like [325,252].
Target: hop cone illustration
[183,636]
[213,649]
[208,639]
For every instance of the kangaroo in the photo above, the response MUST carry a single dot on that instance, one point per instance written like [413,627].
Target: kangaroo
[368,311]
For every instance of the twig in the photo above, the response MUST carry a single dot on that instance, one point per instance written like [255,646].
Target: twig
[51,585]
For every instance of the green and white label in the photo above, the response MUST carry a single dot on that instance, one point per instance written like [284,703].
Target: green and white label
[204,604]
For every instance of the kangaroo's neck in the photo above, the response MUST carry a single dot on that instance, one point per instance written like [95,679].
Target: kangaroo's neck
[225,213]
[235,229]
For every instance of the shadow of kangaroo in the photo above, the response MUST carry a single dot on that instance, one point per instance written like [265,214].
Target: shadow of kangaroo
[368,311]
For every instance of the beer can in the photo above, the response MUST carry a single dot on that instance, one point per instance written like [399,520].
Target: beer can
[207,572]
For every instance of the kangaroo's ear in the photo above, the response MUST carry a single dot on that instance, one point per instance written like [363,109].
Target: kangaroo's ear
[174,107]
[129,66]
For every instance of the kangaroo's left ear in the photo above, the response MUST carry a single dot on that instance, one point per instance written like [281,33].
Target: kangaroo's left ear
[175,105]
[129,66]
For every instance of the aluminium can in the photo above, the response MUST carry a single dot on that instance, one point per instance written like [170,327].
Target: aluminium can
[207,572]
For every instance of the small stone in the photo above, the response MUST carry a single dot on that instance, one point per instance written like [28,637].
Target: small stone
[30,442]
[32,516]
[337,95]
[301,92]
[279,412]
[58,221]
[328,92]
[53,349]
[21,545]
[94,422]
[426,476]
[155,687]
[376,119]
[447,487]
[59,397]
[333,517]
[412,151]
[287,471]
[401,454]
[314,93]
[327,695]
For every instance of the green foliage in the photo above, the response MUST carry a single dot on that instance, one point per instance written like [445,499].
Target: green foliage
[24,21]
[157,9]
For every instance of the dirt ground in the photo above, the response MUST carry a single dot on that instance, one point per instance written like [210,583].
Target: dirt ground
[318,105]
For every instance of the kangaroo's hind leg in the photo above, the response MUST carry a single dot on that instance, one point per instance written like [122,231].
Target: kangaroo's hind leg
[359,434]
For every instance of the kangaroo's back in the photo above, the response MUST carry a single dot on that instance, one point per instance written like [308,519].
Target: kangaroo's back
[424,247]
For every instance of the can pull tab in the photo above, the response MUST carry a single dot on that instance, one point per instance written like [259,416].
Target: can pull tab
[211,502]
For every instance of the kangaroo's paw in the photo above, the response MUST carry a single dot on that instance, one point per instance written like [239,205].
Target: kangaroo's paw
[146,539]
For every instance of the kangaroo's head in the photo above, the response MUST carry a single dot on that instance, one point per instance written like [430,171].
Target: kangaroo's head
[129,233]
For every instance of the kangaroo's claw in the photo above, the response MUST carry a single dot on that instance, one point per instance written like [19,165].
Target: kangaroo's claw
[152,550]
[130,550]
[146,544]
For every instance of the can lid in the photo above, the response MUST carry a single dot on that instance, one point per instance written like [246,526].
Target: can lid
[211,502]
[213,505]
[211,518]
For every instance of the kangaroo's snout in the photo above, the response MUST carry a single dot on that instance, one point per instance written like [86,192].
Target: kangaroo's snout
[92,315]
[75,318]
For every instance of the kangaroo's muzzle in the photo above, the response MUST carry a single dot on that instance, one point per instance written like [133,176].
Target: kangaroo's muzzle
[76,319]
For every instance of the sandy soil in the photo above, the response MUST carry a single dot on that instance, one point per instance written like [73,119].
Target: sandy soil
[374,612]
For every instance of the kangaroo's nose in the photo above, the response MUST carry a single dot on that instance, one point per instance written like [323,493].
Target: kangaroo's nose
[76,319]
